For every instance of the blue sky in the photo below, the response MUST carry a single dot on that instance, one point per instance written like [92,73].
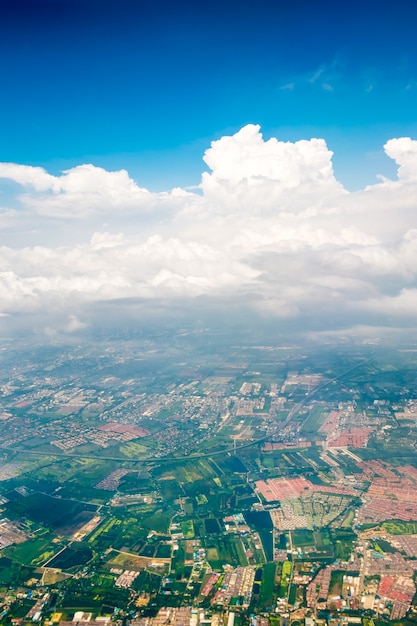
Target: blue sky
[147,86]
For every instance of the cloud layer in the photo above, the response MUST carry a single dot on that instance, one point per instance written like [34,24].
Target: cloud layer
[270,227]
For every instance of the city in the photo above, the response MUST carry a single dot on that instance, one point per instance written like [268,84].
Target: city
[151,481]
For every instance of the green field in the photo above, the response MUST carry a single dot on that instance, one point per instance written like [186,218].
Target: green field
[187,528]
[285,579]
[30,551]
[397,527]
[266,595]
[225,549]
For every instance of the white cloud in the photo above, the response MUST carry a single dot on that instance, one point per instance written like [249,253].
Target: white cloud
[86,190]
[112,266]
[404,153]
[273,228]
[258,177]
[27,175]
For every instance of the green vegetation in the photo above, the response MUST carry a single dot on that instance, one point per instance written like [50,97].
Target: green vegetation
[187,528]
[30,552]
[266,595]
[225,549]
[159,522]
[397,527]
[348,519]
[336,583]
[344,540]
[285,579]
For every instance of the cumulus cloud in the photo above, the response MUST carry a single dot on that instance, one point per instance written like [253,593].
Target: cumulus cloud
[404,153]
[113,266]
[83,191]
[271,228]
[255,176]
[26,175]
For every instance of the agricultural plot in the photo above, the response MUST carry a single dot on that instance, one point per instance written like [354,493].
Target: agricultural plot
[225,549]
[343,542]
[124,531]
[64,516]
[170,489]
[285,579]
[159,522]
[285,463]
[336,583]
[232,464]
[312,544]
[348,518]
[345,462]
[6,571]
[266,595]
[312,455]
[70,557]
[314,419]
[80,595]
[135,482]
[135,450]
[187,528]
[29,552]
[127,561]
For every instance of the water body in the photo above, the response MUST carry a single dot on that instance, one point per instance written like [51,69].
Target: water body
[268,543]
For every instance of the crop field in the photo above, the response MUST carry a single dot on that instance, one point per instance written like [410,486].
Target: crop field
[170,489]
[159,522]
[315,544]
[125,560]
[135,450]
[69,557]
[225,549]
[122,531]
[285,579]
[63,515]
[312,456]
[302,538]
[315,418]
[343,541]
[231,464]
[133,483]
[197,487]
[187,528]
[6,570]
[336,583]
[28,552]
[266,595]
[348,519]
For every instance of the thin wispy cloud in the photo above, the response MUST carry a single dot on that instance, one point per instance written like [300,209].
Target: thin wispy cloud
[325,76]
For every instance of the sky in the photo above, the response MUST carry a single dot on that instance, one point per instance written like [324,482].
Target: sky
[232,157]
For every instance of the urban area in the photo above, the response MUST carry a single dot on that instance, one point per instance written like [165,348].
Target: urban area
[194,478]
